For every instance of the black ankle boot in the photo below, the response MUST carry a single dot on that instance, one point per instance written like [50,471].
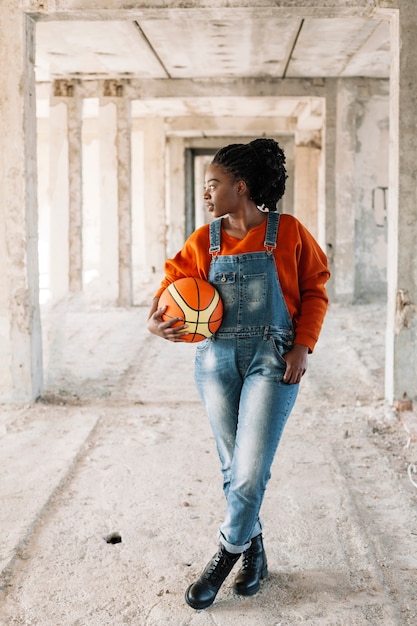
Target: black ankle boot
[254,569]
[203,592]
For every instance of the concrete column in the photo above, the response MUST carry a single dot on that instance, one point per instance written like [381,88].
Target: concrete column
[329,143]
[401,342]
[124,196]
[176,195]
[43,168]
[74,111]
[371,185]
[140,274]
[20,329]
[91,201]
[287,204]
[344,260]
[109,256]
[306,175]
[321,199]
[58,201]
[70,160]
[154,182]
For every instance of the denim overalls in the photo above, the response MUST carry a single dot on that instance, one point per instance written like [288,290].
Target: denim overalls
[238,373]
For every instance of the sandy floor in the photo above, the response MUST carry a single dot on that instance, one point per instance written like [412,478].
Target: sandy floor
[121,445]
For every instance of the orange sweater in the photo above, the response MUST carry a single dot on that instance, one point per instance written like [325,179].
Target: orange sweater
[301,266]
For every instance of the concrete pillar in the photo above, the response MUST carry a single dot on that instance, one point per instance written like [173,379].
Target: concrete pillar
[109,255]
[124,197]
[344,259]
[401,341]
[176,195]
[58,201]
[43,166]
[329,143]
[140,271]
[91,252]
[287,204]
[306,175]
[154,184]
[371,185]
[20,329]
[321,198]
[69,150]
[74,111]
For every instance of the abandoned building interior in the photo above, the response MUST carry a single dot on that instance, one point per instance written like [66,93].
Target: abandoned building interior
[112,113]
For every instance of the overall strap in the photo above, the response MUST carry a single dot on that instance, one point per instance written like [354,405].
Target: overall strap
[215,230]
[270,242]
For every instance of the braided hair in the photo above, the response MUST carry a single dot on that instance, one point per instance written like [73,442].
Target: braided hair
[261,164]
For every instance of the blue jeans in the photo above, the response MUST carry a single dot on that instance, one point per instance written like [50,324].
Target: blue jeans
[240,383]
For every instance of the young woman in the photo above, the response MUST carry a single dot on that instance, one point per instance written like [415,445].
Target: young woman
[270,273]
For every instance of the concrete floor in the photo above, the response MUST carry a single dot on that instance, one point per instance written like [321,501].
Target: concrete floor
[120,444]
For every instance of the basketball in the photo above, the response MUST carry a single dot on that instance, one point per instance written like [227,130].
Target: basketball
[197,302]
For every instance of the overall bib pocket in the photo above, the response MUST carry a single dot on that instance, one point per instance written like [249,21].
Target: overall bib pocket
[225,283]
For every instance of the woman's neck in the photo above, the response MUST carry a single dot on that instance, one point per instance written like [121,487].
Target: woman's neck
[238,226]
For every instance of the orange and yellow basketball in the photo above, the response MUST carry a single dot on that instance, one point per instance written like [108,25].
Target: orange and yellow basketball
[197,302]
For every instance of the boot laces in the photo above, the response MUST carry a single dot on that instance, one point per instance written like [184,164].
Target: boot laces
[220,567]
[249,560]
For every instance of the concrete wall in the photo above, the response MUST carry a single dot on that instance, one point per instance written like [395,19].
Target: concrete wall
[371,194]
[361,181]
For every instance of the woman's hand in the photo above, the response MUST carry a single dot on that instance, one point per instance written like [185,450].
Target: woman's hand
[166,330]
[297,361]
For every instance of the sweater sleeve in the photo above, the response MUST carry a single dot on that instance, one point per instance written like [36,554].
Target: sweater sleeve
[313,273]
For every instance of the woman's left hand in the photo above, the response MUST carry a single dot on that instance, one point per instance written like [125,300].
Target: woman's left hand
[297,362]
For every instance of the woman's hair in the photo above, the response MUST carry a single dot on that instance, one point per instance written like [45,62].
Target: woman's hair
[261,164]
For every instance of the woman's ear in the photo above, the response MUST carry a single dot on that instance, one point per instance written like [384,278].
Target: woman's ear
[242,187]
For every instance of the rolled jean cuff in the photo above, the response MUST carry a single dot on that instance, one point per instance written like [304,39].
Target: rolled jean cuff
[232,548]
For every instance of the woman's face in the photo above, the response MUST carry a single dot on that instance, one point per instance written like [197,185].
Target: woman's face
[222,193]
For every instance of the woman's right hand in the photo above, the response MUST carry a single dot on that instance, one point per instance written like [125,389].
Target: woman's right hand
[167,330]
